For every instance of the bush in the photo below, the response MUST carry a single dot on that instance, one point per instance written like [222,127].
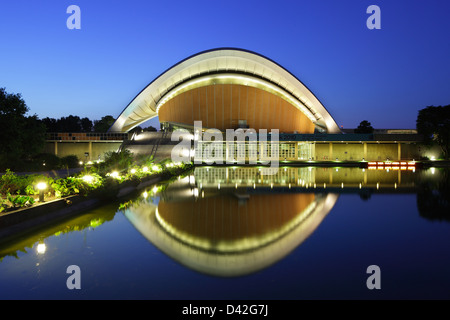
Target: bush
[70,161]
[47,161]
[116,161]
[19,201]
[144,160]
[96,180]
[108,190]
[12,183]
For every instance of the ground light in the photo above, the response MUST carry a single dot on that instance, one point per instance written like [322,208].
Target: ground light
[114,174]
[88,178]
[41,186]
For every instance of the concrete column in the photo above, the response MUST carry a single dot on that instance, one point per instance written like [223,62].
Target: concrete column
[313,151]
[56,148]
[399,151]
[227,151]
[365,151]
[90,150]
[296,151]
[330,151]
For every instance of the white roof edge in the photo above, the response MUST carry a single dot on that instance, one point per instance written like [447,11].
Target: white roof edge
[200,64]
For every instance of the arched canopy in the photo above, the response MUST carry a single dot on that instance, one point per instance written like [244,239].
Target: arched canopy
[223,65]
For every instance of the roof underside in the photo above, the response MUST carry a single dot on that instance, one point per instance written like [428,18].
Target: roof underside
[241,64]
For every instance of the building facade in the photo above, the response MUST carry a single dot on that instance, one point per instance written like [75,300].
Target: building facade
[230,88]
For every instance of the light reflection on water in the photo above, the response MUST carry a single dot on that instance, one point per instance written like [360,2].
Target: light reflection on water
[227,235]
[236,223]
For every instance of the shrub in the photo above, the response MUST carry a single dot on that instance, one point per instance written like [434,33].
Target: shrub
[47,161]
[12,183]
[19,201]
[67,186]
[118,161]
[8,182]
[77,185]
[70,161]
[109,189]
[144,160]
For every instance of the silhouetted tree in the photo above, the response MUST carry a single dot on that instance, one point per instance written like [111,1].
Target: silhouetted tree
[137,129]
[104,123]
[21,136]
[434,124]
[149,129]
[69,124]
[86,125]
[364,127]
[433,197]
[51,124]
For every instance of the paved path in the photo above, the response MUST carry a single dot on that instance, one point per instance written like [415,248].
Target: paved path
[61,173]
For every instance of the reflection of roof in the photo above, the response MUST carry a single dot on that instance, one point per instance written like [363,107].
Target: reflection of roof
[223,64]
[235,226]
[229,258]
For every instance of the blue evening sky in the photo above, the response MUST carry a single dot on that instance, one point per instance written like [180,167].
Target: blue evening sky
[384,76]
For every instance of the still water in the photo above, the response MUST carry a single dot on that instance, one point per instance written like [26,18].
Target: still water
[235,233]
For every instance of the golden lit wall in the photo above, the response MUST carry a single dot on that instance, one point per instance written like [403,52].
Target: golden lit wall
[225,219]
[222,105]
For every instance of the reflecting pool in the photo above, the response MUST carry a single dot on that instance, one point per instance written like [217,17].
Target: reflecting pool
[237,233]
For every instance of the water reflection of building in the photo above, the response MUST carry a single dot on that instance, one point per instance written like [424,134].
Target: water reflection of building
[231,221]
[303,177]
[223,235]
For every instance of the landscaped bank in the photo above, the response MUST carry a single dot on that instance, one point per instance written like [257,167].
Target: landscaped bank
[30,201]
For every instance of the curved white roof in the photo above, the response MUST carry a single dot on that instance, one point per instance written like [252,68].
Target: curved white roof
[245,65]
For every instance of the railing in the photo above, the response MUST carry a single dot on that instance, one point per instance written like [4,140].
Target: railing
[86,136]
[158,142]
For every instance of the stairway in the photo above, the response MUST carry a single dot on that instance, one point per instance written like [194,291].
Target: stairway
[156,144]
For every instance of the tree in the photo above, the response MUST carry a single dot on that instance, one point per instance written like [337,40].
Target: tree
[150,129]
[51,124]
[364,127]
[21,136]
[86,125]
[69,124]
[136,130]
[434,124]
[104,123]
[433,197]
